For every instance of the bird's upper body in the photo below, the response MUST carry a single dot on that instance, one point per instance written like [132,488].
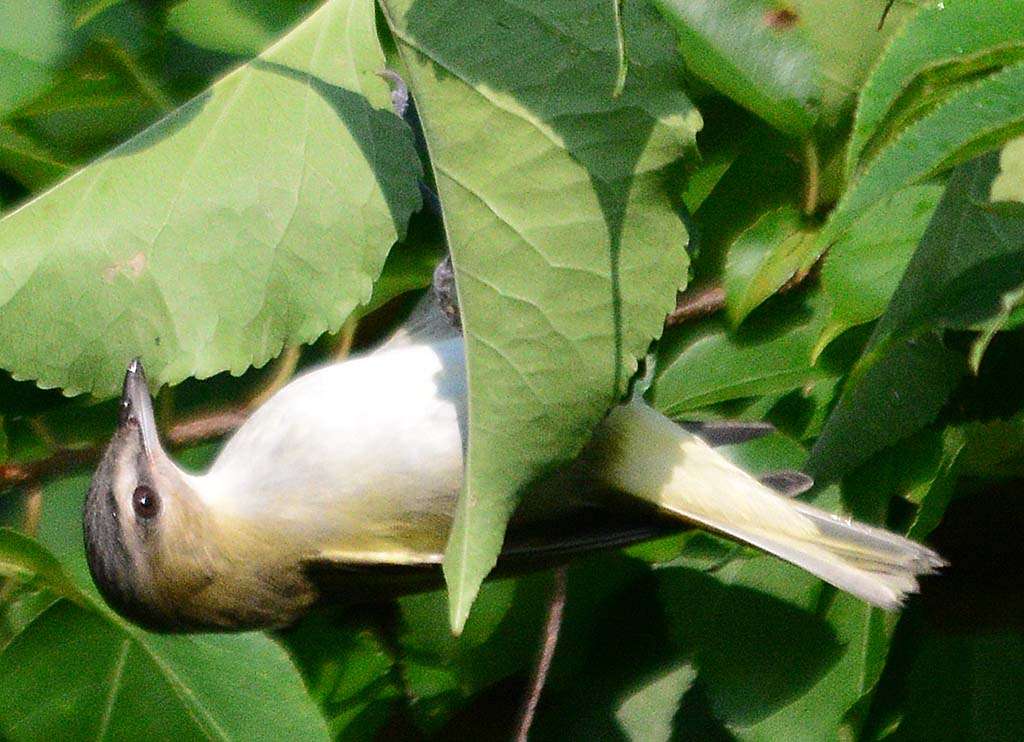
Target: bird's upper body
[357,462]
[356,467]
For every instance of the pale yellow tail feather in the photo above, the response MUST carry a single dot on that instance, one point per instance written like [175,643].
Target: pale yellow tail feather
[644,453]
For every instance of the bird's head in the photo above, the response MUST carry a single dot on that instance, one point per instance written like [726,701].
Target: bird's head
[144,524]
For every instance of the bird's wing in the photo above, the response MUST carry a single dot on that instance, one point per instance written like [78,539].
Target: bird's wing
[362,577]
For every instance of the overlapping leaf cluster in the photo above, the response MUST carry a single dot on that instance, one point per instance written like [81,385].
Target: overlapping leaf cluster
[207,182]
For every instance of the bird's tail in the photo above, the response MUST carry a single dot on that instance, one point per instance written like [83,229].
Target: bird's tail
[647,455]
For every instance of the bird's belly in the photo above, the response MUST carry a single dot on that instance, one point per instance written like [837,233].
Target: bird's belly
[370,450]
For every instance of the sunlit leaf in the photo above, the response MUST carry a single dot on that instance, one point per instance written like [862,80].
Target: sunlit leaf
[976,118]
[769,354]
[244,28]
[257,215]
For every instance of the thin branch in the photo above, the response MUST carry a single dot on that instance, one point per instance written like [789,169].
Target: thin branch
[346,336]
[696,303]
[33,504]
[552,627]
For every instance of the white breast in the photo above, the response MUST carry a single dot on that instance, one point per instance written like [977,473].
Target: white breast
[372,446]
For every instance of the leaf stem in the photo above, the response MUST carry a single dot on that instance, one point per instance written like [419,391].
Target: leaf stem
[812,177]
[620,41]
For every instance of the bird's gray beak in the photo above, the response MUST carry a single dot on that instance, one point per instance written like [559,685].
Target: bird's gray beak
[137,407]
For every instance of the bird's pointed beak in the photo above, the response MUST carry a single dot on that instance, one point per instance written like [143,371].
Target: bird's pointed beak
[137,407]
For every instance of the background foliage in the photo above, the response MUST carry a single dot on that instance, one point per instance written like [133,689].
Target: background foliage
[209,182]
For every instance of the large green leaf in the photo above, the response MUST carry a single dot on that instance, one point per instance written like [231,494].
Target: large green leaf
[35,38]
[978,117]
[971,255]
[943,46]
[79,667]
[74,674]
[862,269]
[752,52]
[348,669]
[256,215]
[567,249]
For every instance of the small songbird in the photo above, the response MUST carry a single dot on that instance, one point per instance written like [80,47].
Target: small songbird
[347,480]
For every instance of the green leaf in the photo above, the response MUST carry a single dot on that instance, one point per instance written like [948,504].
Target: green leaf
[954,671]
[862,269]
[567,248]
[846,39]
[255,216]
[770,665]
[243,27]
[25,560]
[1009,302]
[933,496]
[893,392]
[79,666]
[35,39]
[443,672]
[763,258]
[349,672]
[647,713]
[978,117]
[753,52]
[74,669]
[938,50]
[771,353]
[971,254]
[30,163]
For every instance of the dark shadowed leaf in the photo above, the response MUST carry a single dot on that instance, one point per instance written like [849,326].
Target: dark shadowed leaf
[775,248]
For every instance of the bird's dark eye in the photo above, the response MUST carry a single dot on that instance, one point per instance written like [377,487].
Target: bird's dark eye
[146,502]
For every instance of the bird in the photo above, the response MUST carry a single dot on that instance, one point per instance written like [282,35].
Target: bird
[343,486]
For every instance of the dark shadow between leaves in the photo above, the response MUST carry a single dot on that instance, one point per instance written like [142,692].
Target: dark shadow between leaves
[754,652]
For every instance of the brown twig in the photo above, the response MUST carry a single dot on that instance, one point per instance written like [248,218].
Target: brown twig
[65,460]
[552,627]
[696,303]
